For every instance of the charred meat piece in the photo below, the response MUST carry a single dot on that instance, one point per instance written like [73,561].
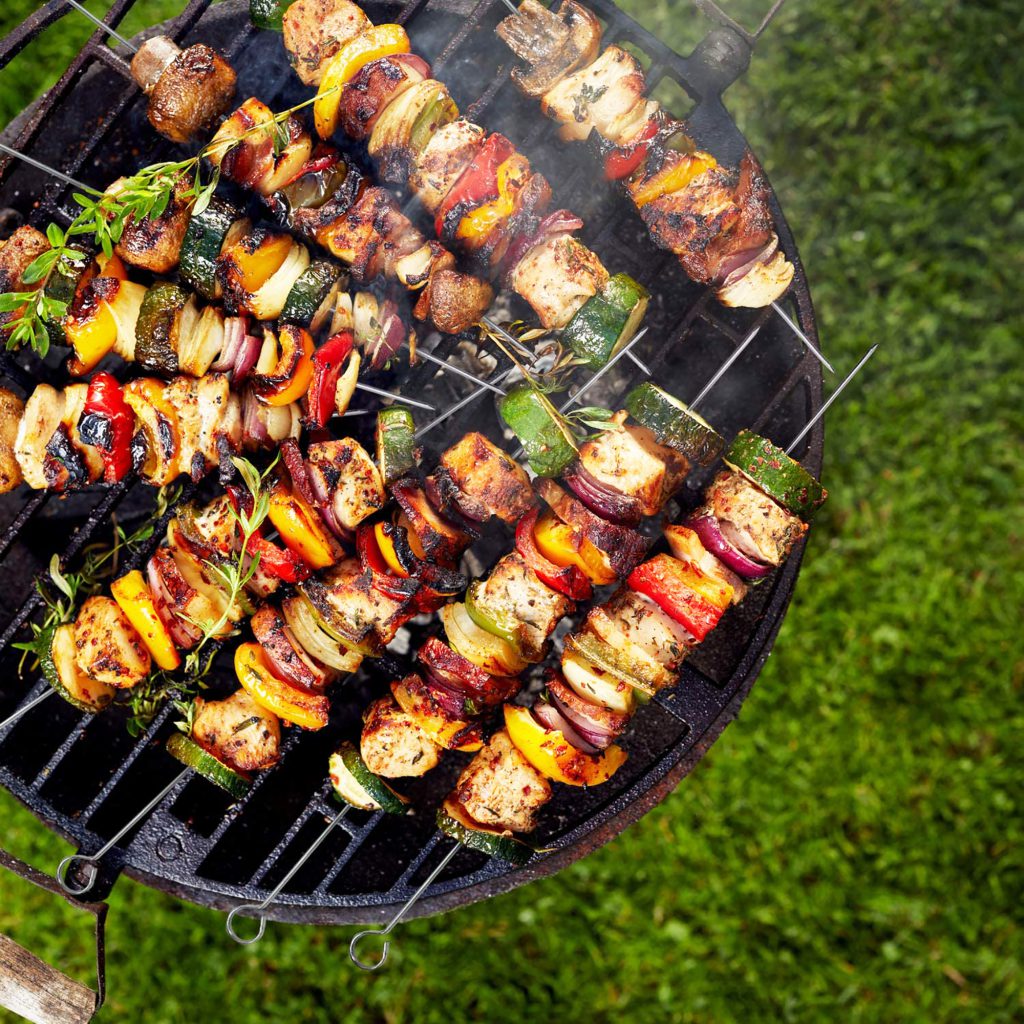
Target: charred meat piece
[460,676]
[629,459]
[490,482]
[453,302]
[500,788]
[154,243]
[556,277]
[393,744]
[552,44]
[107,648]
[286,654]
[448,153]
[315,30]
[20,250]
[751,521]
[12,411]
[344,472]
[431,535]
[238,731]
[376,86]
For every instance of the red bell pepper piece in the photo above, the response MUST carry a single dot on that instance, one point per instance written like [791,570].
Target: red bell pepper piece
[622,161]
[569,580]
[478,183]
[275,560]
[105,399]
[327,363]
[371,559]
[664,580]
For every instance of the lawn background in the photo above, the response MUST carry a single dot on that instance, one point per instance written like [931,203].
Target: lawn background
[851,848]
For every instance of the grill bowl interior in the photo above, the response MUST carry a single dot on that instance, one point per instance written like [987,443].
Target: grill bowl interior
[86,777]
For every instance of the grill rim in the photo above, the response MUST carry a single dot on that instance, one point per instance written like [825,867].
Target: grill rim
[584,838]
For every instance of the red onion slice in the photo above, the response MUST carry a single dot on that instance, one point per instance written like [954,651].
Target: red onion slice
[551,718]
[707,528]
[254,426]
[732,268]
[447,697]
[291,455]
[602,500]
[247,357]
[234,332]
[594,734]
[183,634]
[392,336]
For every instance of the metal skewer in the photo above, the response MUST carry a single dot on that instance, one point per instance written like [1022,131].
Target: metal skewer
[88,862]
[26,708]
[795,328]
[587,385]
[831,398]
[47,169]
[100,23]
[390,926]
[370,389]
[462,403]
[459,372]
[276,891]
[724,368]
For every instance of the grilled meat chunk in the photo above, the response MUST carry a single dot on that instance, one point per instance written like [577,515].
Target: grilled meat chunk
[431,535]
[448,153]
[629,459]
[12,411]
[751,521]
[453,302]
[500,788]
[183,394]
[154,243]
[552,44]
[641,637]
[107,648]
[513,592]
[193,90]
[24,246]
[238,731]
[219,417]
[556,277]
[315,30]
[489,480]
[603,96]
[393,744]
[375,87]
[345,471]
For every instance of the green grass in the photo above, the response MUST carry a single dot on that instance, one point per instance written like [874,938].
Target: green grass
[852,847]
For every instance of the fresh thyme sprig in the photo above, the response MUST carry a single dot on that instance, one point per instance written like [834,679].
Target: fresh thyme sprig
[103,217]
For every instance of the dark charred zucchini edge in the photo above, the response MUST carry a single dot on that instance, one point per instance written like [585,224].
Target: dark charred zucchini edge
[454,822]
[57,661]
[396,443]
[193,756]
[374,786]
[62,285]
[308,292]
[550,448]
[780,477]
[673,424]
[154,330]
[202,244]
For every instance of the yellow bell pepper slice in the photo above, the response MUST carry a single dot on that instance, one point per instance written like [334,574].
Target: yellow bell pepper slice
[135,600]
[441,730]
[310,711]
[376,42]
[510,177]
[301,376]
[112,266]
[387,549]
[560,543]
[300,529]
[672,178]
[255,258]
[92,331]
[554,756]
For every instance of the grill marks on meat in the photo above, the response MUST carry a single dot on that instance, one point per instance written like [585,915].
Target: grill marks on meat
[193,91]
[16,254]
[238,731]
[154,243]
[393,744]
[490,481]
[12,410]
[107,648]
[315,30]
[558,275]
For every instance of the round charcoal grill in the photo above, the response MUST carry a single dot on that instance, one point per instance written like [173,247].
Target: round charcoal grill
[86,777]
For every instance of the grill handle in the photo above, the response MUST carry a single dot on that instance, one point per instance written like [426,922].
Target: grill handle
[36,990]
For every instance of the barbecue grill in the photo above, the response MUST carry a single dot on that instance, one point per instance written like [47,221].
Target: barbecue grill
[86,777]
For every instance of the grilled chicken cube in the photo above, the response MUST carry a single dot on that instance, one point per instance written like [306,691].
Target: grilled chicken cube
[216,525]
[751,521]
[556,277]
[345,471]
[219,417]
[393,744]
[315,30]
[12,411]
[598,96]
[16,254]
[238,731]
[489,479]
[107,648]
[154,243]
[629,459]
[44,411]
[448,153]
[193,90]
[641,624]
[501,789]
[554,45]
[513,591]
[183,394]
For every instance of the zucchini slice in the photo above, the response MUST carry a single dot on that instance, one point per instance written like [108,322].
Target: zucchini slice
[453,821]
[63,674]
[193,756]
[311,288]
[605,657]
[781,477]
[550,447]
[673,424]
[63,284]
[607,321]
[267,14]
[159,327]
[396,443]
[207,234]
[355,784]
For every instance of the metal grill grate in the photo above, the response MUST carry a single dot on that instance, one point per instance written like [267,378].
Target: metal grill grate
[84,777]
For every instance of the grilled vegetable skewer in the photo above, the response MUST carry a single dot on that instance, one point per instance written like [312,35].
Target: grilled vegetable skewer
[715,219]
